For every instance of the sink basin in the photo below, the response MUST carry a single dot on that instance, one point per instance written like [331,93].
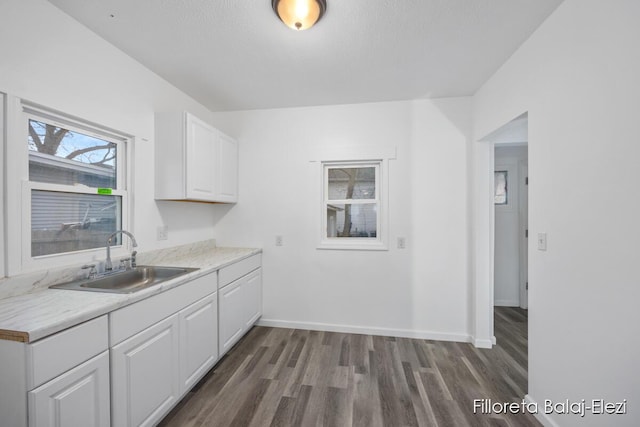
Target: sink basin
[127,281]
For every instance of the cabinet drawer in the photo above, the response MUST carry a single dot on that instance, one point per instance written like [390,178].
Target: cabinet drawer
[234,271]
[54,355]
[134,318]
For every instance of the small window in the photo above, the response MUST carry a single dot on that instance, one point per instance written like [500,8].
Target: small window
[351,205]
[501,194]
[76,187]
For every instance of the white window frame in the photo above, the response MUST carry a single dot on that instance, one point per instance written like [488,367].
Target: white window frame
[361,243]
[19,188]
[510,169]
[354,155]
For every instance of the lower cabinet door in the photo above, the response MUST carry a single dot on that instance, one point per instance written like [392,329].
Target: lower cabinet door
[198,340]
[232,313]
[253,297]
[145,375]
[79,397]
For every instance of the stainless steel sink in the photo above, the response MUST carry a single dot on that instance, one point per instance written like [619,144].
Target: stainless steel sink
[127,281]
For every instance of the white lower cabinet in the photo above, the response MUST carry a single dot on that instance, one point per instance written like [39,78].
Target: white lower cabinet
[253,297]
[198,340]
[60,380]
[130,367]
[161,347]
[240,308]
[79,397]
[231,315]
[145,381]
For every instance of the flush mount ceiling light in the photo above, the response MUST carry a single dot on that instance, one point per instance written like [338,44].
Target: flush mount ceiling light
[299,14]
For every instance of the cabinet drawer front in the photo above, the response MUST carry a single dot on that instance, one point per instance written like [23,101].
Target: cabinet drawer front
[79,397]
[234,271]
[136,317]
[54,355]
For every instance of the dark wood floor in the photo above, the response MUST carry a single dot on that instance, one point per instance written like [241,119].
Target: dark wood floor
[286,377]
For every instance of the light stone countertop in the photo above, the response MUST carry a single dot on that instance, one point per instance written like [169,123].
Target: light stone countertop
[41,311]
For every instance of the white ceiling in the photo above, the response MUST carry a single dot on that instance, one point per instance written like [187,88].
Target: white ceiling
[236,54]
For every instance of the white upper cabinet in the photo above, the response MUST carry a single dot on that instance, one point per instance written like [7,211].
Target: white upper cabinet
[226,169]
[200,179]
[194,161]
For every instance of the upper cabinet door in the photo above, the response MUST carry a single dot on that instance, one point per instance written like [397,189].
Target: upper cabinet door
[194,161]
[201,156]
[227,169]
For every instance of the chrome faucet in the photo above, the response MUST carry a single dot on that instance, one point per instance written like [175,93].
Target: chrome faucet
[107,264]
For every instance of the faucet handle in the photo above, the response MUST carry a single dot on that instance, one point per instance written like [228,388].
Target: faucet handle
[92,272]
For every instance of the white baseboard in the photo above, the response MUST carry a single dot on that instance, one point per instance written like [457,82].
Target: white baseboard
[506,303]
[544,419]
[386,332]
[483,343]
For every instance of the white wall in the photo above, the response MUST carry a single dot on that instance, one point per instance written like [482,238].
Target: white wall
[577,76]
[507,229]
[418,291]
[50,59]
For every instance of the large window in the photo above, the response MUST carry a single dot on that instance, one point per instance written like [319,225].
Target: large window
[75,195]
[352,208]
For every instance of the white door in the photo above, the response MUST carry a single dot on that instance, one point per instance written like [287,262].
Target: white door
[145,377]
[253,297]
[79,397]
[201,158]
[198,340]
[232,314]
[524,233]
[507,234]
[226,169]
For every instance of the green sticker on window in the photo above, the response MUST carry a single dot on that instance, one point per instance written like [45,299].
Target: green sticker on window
[104,190]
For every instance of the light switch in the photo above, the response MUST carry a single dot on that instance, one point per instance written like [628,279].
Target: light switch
[402,243]
[542,241]
[278,240]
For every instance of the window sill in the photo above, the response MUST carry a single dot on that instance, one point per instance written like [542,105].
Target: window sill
[353,246]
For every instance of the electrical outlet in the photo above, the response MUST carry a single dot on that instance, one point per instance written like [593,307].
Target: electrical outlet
[278,240]
[542,241]
[163,232]
[402,243]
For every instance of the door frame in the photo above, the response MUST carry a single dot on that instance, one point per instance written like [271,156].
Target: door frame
[523,246]
[483,235]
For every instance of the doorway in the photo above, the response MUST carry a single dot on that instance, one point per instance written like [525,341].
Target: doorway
[511,223]
[512,133]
